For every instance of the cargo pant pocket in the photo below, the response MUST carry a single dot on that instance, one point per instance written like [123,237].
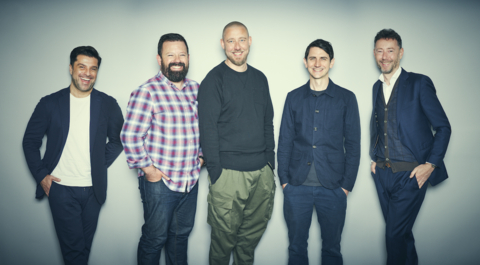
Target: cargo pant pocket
[219,212]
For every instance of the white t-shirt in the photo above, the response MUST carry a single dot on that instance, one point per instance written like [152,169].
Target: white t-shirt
[74,166]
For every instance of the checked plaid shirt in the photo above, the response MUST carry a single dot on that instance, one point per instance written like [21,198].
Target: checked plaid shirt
[161,129]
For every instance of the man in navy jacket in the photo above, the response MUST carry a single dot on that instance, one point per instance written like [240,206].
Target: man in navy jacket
[77,121]
[405,154]
[318,156]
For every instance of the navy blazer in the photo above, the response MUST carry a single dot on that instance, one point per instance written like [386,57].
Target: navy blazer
[418,112]
[51,117]
[337,146]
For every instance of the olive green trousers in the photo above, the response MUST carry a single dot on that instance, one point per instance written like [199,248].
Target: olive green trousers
[239,207]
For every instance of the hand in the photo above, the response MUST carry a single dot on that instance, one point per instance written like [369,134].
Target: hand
[422,172]
[201,161]
[284,185]
[46,183]
[346,191]
[372,167]
[153,174]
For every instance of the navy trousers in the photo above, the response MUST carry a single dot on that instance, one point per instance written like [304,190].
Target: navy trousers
[331,206]
[400,200]
[75,213]
[169,218]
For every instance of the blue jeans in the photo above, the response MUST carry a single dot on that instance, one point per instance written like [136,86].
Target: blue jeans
[75,213]
[169,218]
[331,206]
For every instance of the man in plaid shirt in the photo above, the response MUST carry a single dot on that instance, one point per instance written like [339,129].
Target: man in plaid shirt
[161,138]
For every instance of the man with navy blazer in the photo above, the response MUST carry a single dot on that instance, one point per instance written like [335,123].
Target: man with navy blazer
[405,154]
[318,156]
[77,120]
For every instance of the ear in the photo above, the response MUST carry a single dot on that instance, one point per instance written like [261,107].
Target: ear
[332,62]
[222,43]
[159,60]
[71,69]
[305,63]
[249,40]
[401,53]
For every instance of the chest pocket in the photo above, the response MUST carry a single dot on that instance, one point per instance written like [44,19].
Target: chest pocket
[334,120]
[176,112]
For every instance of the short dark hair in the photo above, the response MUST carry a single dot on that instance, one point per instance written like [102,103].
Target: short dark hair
[232,24]
[170,37]
[322,44]
[84,50]
[388,34]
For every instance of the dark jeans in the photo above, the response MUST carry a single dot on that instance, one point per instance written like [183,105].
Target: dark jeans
[75,213]
[400,199]
[331,206]
[169,218]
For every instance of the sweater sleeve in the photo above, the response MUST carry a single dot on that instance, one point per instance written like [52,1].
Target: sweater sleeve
[209,108]
[269,137]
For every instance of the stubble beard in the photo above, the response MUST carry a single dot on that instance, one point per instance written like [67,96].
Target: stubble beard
[79,87]
[237,63]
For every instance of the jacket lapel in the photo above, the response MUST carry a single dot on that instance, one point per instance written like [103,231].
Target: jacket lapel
[95,106]
[401,94]
[64,103]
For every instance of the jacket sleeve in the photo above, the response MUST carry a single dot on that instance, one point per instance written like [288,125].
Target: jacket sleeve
[351,132]
[115,122]
[438,119]
[32,141]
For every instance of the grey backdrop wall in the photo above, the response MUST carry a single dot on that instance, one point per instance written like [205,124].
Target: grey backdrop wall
[440,40]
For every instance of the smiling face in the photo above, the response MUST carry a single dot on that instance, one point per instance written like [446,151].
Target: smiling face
[318,63]
[84,74]
[236,44]
[174,61]
[388,54]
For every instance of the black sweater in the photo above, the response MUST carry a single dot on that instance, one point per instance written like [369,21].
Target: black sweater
[236,120]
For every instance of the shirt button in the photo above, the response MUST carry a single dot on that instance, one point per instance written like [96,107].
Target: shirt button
[316,111]
[386,159]
[315,128]
[309,163]
[385,122]
[385,134]
[386,109]
[386,147]
[314,146]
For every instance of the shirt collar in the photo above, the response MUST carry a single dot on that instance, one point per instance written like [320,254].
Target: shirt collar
[163,79]
[329,90]
[394,76]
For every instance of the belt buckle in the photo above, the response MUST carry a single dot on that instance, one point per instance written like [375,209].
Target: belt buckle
[387,164]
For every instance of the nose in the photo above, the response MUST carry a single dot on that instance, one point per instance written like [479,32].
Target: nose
[384,55]
[237,45]
[317,62]
[176,58]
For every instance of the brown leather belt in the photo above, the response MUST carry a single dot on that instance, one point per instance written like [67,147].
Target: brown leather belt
[387,164]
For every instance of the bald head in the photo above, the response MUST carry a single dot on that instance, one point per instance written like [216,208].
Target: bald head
[233,24]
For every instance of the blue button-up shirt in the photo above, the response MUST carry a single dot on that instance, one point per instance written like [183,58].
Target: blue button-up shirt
[323,130]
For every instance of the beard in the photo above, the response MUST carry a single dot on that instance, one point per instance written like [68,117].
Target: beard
[77,85]
[388,70]
[174,76]
[237,63]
